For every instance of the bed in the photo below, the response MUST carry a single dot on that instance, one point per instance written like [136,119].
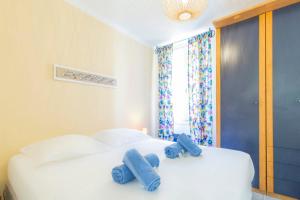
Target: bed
[218,174]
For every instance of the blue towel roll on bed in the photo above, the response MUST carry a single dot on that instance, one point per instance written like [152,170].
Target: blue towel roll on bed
[153,159]
[142,170]
[122,174]
[172,151]
[188,144]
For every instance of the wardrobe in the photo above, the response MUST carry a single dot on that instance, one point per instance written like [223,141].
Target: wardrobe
[258,92]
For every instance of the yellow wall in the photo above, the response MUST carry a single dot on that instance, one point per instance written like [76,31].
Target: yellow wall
[35,34]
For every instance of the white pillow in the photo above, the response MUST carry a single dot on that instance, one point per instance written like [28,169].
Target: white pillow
[63,148]
[119,137]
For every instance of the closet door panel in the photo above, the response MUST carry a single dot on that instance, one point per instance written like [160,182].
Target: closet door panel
[239,89]
[287,172]
[288,188]
[286,103]
[287,156]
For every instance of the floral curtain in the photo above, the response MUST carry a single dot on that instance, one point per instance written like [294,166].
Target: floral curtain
[200,88]
[166,119]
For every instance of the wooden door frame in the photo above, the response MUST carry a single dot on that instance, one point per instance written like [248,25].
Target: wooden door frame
[218,87]
[259,9]
[262,97]
[269,100]
[266,155]
[269,109]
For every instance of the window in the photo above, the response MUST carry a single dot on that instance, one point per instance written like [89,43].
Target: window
[180,88]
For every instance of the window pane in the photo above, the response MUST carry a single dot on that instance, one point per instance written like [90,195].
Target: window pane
[180,90]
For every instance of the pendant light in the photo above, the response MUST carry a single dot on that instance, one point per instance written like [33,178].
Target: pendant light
[183,10]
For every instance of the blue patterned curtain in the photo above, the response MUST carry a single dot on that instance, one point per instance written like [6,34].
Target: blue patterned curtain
[200,88]
[166,119]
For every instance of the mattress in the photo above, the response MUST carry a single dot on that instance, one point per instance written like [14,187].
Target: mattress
[218,174]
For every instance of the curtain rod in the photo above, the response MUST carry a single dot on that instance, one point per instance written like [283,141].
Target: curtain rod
[211,32]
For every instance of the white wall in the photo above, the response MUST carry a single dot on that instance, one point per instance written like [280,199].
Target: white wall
[36,34]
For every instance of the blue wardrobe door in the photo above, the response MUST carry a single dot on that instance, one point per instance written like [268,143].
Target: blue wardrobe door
[286,88]
[239,89]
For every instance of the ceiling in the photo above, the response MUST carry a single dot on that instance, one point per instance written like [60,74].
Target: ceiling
[145,21]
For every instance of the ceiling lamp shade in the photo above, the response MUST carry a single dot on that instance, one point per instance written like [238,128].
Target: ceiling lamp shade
[183,10]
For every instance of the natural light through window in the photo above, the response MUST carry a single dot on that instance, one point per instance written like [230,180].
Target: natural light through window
[180,88]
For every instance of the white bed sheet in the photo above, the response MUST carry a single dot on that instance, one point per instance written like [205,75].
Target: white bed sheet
[219,174]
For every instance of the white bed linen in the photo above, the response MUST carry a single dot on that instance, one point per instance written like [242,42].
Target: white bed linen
[219,174]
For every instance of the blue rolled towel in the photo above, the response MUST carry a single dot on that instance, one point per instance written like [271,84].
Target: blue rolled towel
[142,170]
[122,174]
[188,144]
[172,151]
[153,159]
